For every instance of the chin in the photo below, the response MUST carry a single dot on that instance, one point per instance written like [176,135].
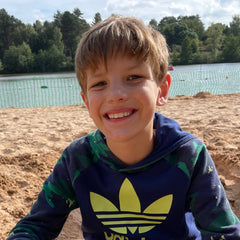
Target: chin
[121,138]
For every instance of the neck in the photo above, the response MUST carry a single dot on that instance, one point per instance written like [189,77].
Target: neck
[132,152]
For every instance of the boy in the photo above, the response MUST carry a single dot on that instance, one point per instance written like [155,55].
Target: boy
[139,176]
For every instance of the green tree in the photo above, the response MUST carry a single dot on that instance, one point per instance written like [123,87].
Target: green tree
[26,33]
[70,30]
[12,31]
[165,22]
[97,18]
[153,23]
[52,35]
[231,51]
[175,33]
[215,40]
[175,54]
[18,59]
[55,58]
[44,36]
[40,63]
[50,60]
[1,65]
[186,52]
[194,24]
[57,19]
[77,12]
[7,25]
[36,41]
[72,27]
[169,31]
[235,25]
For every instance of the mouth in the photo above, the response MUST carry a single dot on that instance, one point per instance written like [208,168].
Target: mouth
[119,115]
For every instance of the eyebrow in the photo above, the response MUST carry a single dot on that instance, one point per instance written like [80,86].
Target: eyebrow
[95,75]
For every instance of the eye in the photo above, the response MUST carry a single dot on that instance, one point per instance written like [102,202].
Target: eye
[98,84]
[134,77]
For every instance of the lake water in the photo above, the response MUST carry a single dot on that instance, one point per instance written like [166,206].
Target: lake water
[63,89]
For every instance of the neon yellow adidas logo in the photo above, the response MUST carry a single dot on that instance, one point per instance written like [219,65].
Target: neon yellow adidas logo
[130,217]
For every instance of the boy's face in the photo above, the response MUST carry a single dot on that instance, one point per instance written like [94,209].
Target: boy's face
[121,99]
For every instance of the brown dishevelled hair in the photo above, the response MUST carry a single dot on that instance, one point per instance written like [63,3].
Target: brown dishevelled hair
[124,36]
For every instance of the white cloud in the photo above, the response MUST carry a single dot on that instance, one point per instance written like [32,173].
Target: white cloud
[210,11]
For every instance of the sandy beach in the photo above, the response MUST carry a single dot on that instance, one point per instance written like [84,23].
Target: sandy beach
[32,140]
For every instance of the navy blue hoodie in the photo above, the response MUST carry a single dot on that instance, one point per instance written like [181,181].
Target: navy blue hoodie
[146,201]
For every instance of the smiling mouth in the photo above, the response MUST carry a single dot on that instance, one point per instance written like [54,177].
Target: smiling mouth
[119,115]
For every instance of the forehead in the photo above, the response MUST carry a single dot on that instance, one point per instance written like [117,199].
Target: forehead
[119,61]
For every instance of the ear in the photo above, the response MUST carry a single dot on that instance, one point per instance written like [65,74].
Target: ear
[163,91]
[84,98]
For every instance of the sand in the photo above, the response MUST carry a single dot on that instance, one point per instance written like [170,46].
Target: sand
[32,140]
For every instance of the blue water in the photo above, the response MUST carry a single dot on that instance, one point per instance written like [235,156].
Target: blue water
[39,90]
[213,78]
[63,89]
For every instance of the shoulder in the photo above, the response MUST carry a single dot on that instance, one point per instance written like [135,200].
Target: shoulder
[189,156]
[192,149]
[78,154]
[87,149]
[78,144]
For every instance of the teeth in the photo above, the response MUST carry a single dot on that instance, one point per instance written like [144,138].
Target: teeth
[118,115]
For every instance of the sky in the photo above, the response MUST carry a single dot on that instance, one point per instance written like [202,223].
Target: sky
[210,11]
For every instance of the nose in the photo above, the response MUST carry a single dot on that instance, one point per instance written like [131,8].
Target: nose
[117,92]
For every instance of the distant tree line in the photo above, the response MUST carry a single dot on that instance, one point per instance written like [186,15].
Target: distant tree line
[51,46]
[190,43]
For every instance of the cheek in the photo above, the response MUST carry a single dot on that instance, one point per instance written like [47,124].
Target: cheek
[93,106]
[90,109]
[150,95]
